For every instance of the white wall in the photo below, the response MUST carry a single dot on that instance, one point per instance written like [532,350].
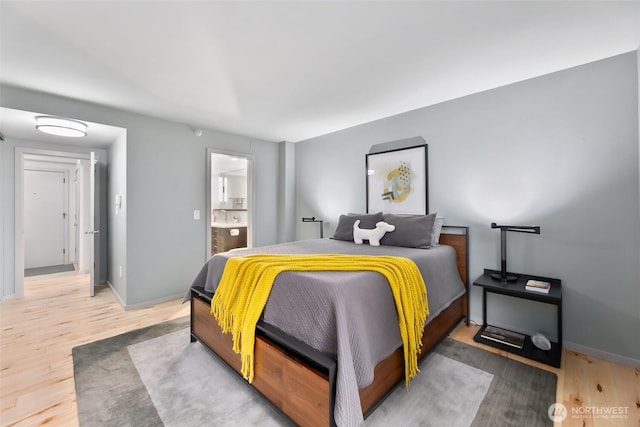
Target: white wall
[237,186]
[559,151]
[166,182]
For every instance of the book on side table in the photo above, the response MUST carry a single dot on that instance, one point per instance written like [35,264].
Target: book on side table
[538,286]
[503,336]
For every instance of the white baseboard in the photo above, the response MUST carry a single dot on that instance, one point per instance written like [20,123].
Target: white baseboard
[146,303]
[600,354]
[117,295]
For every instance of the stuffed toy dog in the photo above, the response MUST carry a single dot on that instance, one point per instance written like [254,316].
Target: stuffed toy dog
[373,236]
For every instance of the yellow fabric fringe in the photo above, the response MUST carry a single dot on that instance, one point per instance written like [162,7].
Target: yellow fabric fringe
[246,283]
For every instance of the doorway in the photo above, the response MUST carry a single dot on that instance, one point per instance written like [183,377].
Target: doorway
[73,208]
[229,201]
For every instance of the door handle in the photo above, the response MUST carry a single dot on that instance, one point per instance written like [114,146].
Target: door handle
[92,232]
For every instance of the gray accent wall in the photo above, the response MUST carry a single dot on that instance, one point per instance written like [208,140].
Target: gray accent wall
[117,216]
[286,185]
[559,151]
[165,183]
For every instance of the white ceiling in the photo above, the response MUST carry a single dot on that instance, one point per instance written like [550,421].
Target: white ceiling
[282,70]
[22,124]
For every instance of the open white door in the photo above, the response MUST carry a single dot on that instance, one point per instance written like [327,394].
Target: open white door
[93,232]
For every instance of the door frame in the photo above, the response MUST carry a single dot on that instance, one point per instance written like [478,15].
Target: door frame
[76,209]
[250,196]
[20,152]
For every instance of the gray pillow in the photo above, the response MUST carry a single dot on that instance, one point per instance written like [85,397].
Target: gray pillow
[344,230]
[412,231]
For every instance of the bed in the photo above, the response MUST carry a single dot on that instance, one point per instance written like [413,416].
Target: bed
[323,379]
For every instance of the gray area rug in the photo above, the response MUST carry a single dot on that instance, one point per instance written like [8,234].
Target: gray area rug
[164,362]
[38,271]
[138,379]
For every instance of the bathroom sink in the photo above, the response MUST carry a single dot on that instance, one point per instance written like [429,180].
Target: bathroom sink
[228,224]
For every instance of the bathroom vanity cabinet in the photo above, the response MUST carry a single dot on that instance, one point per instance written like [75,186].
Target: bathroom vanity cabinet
[226,236]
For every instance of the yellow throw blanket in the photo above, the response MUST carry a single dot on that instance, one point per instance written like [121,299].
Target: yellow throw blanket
[246,283]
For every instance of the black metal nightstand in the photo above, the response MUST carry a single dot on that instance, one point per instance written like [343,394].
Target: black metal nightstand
[516,289]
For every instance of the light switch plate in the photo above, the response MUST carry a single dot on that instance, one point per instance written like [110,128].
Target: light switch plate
[196,215]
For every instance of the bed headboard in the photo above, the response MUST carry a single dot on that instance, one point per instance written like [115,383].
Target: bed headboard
[458,237]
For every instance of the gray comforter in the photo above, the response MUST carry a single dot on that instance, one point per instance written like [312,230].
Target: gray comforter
[350,315]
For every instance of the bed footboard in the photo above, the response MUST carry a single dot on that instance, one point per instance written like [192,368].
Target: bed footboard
[294,377]
[300,381]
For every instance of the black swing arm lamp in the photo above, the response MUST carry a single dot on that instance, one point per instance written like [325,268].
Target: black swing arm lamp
[531,229]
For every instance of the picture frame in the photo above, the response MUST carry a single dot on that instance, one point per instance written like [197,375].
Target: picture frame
[397,181]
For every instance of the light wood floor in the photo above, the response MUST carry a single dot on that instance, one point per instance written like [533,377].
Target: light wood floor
[38,333]
[56,314]
[585,384]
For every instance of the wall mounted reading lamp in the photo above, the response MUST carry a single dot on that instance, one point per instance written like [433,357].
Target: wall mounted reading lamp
[314,219]
[531,229]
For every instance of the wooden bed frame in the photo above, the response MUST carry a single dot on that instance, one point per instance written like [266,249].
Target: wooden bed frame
[300,381]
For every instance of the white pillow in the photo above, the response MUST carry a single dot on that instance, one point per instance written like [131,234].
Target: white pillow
[437,229]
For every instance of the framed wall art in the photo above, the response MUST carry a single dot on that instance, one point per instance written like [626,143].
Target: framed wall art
[397,181]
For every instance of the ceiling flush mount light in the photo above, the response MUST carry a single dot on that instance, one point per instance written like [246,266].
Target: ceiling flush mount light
[60,126]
